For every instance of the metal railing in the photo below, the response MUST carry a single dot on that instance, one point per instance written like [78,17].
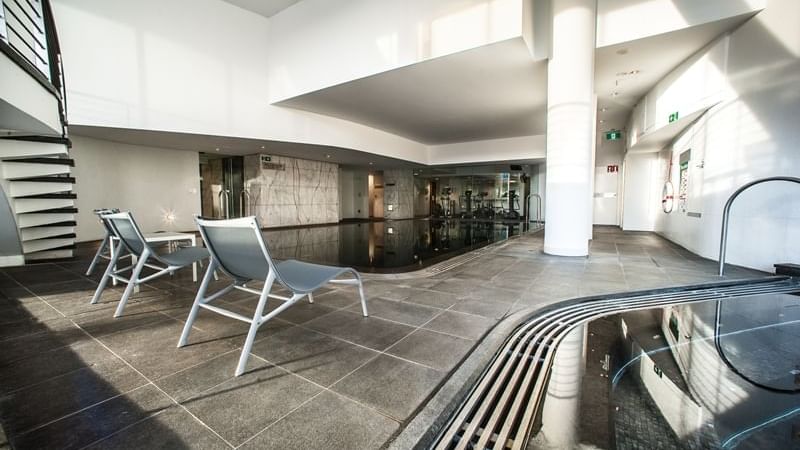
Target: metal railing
[538,207]
[28,35]
[245,204]
[723,241]
[225,199]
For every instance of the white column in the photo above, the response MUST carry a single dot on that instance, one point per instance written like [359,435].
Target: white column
[570,90]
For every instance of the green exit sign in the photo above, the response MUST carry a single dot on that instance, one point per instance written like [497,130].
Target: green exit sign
[673,117]
[613,135]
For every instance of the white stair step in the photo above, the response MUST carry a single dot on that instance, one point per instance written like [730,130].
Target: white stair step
[25,205]
[33,220]
[23,188]
[13,169]
[29,234]
[40,245]
[49,254]
[10,148]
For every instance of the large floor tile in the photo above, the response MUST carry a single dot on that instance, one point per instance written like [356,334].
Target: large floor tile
[434,299]
[397,311]
[327,422]
[102,420]
[317,357]
[468,326]
[371,332]
[240,407]
[173,428]
[391,385]
[436,350]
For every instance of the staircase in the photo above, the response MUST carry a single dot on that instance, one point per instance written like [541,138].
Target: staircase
[35,168]
[36,179]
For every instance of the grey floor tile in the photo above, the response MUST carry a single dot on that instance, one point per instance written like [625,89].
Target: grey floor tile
[328,421]
[300,312]
[436,350]
[494,310]
[152,348]
[197,379]
[172,428]
[239,408]
[393,386]
[434,299]
[339,298]
[459,324]
[100,421]
[319,358]
[398,311]
[372,332]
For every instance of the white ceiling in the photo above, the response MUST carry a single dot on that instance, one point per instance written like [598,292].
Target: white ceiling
[498,91]
[266,8]
[488,92]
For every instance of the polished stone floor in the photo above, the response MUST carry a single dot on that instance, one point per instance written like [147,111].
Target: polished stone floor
[319,376]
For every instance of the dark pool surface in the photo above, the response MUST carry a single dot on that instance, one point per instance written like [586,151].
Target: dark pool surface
[717,375]
[388,246]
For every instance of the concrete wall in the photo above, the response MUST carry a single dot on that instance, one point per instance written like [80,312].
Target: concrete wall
[10,248]
[398,194]
[507,149]
[642,195]
[751,78]
[303,192]
[159,186]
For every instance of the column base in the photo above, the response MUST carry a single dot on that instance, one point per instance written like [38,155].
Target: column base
[566,251]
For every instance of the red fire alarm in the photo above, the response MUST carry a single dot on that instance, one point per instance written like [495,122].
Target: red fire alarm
[612,168]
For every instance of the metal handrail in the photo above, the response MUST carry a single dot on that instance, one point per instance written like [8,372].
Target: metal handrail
[225,213]
[244,205]
[538,207]
[723,242]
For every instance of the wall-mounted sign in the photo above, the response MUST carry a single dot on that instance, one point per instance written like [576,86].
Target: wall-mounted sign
[673,117]
[613,135]
[267,164]
[612,168]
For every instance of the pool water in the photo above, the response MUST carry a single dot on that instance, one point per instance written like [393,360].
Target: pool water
[387,246]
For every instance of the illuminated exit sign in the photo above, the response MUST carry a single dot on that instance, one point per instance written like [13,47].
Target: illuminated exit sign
[673,117]
[613,135]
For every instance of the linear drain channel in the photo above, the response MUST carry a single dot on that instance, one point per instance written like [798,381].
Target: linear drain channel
[498,412]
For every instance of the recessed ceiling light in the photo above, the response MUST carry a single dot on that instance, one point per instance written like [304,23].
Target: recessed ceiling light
[602,121]
[370,164]
[614,94]
[622,51]
[328,156]
[603,109]
[217,149]
[263,147]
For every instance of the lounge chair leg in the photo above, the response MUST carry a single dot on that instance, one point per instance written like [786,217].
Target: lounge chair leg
[97,255]
[255,323]
[106,276]
[201,293]
[132,282]
[310,298]
[361,294]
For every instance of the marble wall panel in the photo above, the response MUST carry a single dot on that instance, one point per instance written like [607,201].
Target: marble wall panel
[399,193]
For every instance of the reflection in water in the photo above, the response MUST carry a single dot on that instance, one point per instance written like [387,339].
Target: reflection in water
[671,388]
[387,246]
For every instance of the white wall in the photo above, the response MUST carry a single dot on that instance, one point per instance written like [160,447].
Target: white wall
[507,149]
[642,194]
[190,66]
[160,186]
[626,20]
[320,43]
[752,133]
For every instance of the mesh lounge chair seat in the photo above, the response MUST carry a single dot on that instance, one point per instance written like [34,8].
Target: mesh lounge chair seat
[238,249]
[130,237]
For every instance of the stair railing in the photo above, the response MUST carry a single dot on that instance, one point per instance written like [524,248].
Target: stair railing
[723,241]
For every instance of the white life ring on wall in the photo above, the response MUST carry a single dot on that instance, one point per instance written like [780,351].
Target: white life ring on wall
[667,197]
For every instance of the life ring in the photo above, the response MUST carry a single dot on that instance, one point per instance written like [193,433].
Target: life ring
[667,197]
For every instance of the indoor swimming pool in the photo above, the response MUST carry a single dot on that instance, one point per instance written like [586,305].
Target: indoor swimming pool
[388,246]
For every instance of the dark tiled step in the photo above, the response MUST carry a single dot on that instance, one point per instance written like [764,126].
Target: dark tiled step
[55,161]
[48,179]
[63,195]
[67,209]
[60,236]
[66,223]
[792,270]
[45,139]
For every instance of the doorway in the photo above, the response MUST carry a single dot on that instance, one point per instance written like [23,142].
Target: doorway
[221,186]
[376,195]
